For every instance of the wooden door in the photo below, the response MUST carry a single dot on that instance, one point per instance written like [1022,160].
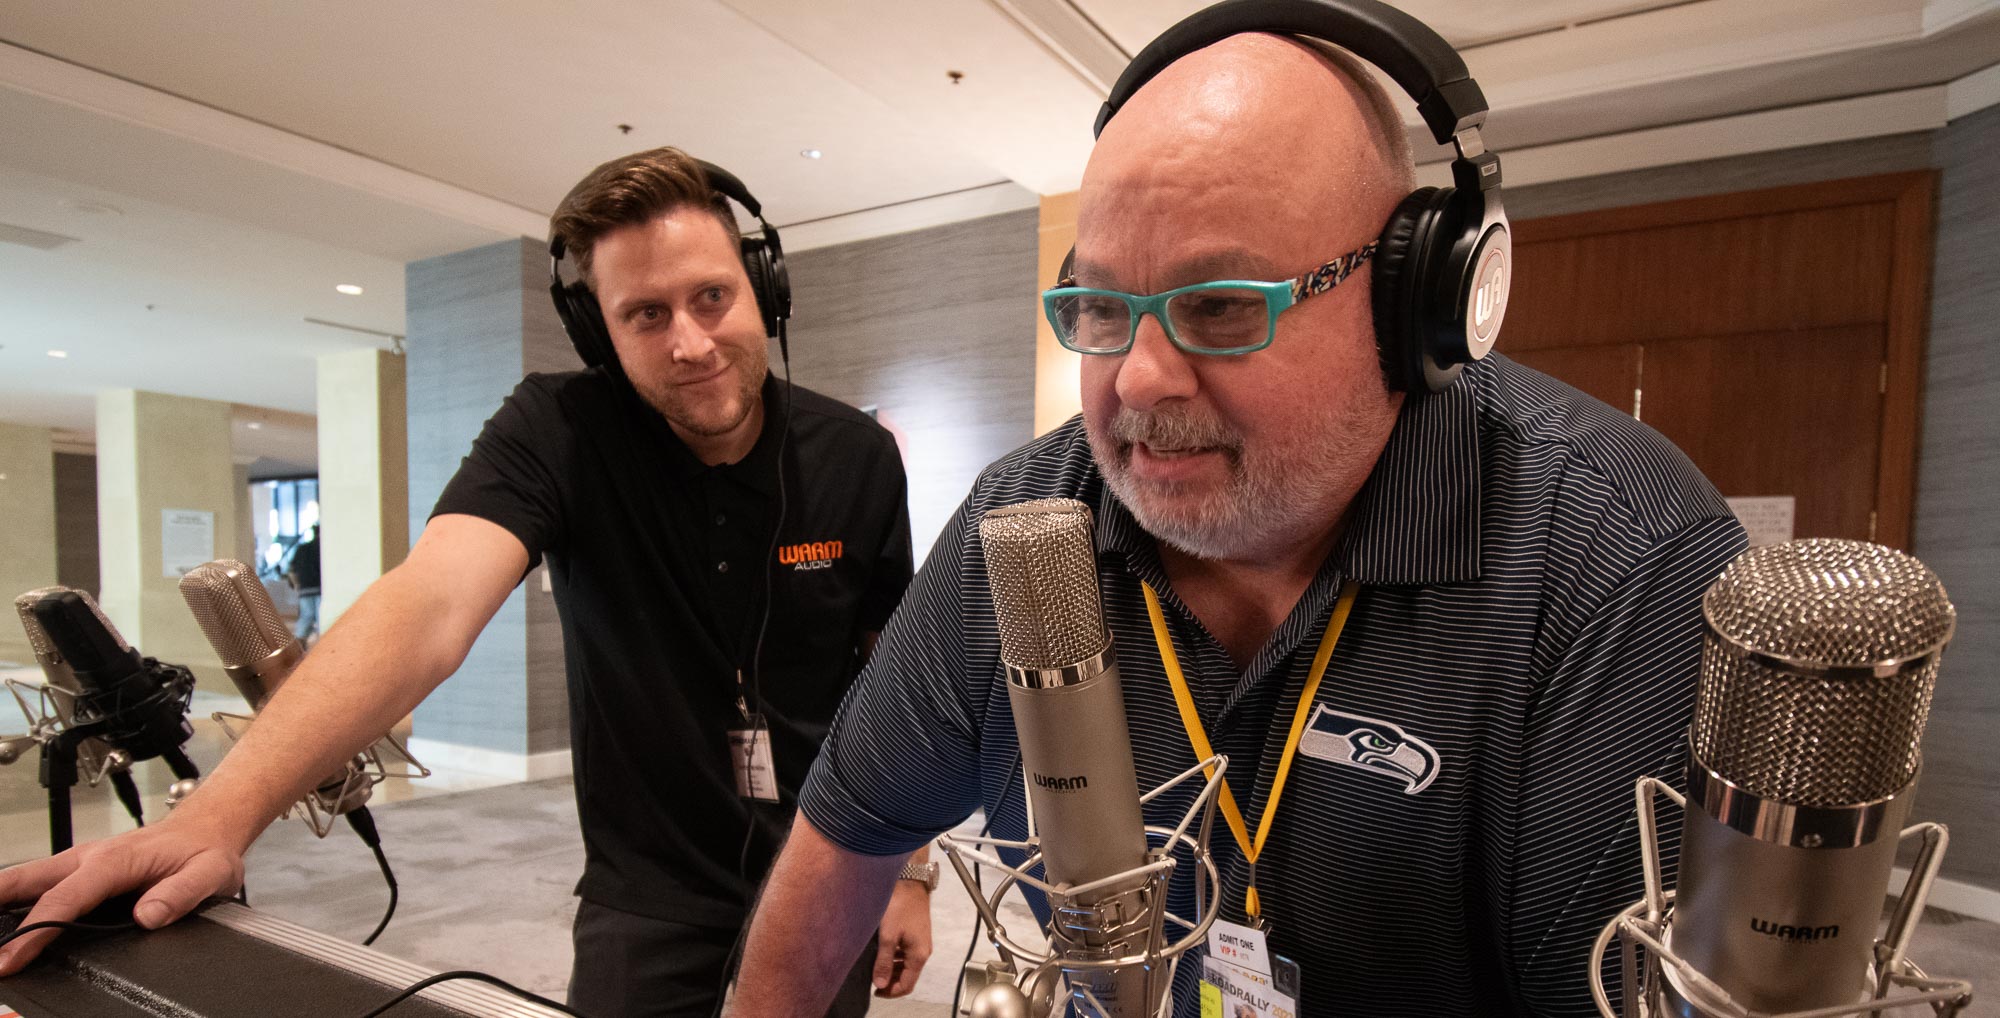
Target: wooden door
[1776,336]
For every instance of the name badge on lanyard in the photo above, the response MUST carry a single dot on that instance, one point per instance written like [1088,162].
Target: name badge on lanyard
[750,753]
[750,758]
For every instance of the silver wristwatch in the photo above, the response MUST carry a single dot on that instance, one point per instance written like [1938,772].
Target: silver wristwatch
[925,873]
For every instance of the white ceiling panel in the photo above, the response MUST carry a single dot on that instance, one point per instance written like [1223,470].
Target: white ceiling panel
[516,99]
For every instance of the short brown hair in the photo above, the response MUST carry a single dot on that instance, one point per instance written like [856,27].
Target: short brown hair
[631,190]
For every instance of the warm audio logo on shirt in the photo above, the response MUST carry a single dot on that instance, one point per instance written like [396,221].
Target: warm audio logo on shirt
[810,555]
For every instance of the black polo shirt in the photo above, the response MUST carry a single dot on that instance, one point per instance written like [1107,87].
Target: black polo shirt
[659,569]
[1527,635]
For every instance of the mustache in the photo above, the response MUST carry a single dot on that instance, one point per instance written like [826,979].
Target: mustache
[1181,428]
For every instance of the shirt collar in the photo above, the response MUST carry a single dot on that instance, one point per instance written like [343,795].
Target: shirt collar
[1415,520]
[758,467]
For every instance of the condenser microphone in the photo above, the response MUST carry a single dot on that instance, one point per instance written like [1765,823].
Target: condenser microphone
[258,653]
[1818,664]
[142,702]
[1076,752]
[94,759]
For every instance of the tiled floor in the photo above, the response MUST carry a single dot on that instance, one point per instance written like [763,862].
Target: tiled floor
[486,870]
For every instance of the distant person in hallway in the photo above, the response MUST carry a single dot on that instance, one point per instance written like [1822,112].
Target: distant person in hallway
[302,572]
[723,549]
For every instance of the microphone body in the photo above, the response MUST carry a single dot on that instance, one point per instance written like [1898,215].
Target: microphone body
[142,702]
[1076,750]
[1818,665]
[258,653]
[93,756]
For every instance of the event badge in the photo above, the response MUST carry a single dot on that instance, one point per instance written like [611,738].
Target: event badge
[750,757]
[1241,978]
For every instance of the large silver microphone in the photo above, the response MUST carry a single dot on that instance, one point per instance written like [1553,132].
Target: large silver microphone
[1105,886]
[258,653]
[1818,665]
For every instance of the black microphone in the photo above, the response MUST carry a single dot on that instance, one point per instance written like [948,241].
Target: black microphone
[141,701]
[1069,715]
[259,653]
[1819,661]
[59,693]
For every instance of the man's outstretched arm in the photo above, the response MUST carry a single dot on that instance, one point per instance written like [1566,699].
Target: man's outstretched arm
[818,908]
[402,637]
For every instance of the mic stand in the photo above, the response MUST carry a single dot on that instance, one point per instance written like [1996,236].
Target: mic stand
[369,768]
[1069,905]
[80,759]
[1646,959]
[59,773]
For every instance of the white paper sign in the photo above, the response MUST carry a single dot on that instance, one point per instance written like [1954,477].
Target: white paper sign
[187,540]
[1768,518]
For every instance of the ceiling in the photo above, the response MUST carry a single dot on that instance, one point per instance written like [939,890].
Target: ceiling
[221,165]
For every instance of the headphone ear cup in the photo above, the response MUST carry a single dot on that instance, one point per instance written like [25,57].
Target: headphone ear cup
[764,262]
[1402,254]
[583,320]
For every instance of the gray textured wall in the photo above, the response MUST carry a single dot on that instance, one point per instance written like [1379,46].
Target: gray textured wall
[936,328]
[76,521]
[1958,489]
[478,321]
[1958,471]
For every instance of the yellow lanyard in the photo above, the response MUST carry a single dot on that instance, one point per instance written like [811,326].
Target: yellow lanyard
[1198,737]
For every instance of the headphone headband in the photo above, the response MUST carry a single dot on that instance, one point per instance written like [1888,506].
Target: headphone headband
[1444,259]
[1417,58]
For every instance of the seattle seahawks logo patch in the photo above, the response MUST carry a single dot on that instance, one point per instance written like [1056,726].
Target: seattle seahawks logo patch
[1380,747]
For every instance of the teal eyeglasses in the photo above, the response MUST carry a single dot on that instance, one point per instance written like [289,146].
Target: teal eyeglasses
[1229,316]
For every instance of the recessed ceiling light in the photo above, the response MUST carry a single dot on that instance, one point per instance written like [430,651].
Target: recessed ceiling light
[810,153]
[349,289]
[59,354]
[256,425]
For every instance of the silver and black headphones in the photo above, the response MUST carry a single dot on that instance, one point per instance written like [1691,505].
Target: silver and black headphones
[1444,260]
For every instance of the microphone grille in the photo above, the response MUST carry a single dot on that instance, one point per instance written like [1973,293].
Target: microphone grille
[234,611]
[1818,665]
[1042,568]
[38,637]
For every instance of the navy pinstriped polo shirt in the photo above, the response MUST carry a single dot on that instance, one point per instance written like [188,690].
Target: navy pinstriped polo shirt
[1526,639]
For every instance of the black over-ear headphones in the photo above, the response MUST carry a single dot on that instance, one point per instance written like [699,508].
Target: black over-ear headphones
[1444,261]
[763,260]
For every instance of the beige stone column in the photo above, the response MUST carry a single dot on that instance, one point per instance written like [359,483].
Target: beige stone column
[28,538]
[166,502]
[364,477]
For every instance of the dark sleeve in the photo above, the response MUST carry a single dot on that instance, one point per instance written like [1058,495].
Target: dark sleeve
[900,765]
[894,561]
[511,475]
[1615,706]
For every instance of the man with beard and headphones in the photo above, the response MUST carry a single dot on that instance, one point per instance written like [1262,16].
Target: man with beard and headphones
[723,549]
[1438,610]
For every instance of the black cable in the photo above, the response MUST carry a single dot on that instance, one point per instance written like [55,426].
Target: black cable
[363,823]
[58,924]
[444,977]
[128,794]
[755,699]
[979,918]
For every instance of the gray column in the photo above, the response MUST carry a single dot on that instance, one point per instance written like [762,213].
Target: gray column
[478,321]
[28,540]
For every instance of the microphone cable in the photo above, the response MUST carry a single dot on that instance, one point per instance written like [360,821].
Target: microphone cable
[978,919]
[756,699]
[444,977]
[363,823]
